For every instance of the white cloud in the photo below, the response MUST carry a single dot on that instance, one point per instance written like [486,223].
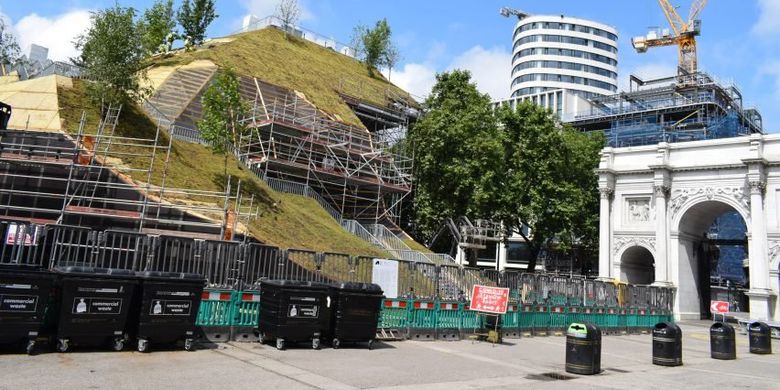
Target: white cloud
[263,8]
[490,69]
[646,72]
[56,33]
[769,14]
[417,79]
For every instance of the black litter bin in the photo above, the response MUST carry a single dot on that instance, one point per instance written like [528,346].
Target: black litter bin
[723,345]
[583,349]
[355,313]
[760,338]
[94,306]
[168,309]
[667,344]
[293,311]
[24,298]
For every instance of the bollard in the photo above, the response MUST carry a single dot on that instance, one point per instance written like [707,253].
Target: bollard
[723,345]
[760,338]
[583,349]
[667,344]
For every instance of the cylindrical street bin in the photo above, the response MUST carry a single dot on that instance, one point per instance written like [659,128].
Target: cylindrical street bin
[723,345]
[583,349]
[760,338]
[293,311]
[95,303]
[169,307]
[667,344]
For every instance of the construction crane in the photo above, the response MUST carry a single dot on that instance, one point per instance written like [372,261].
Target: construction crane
[507,12]
[683,35]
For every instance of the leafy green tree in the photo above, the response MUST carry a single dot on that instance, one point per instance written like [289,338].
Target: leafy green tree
[158,21]
[457,150]
[375,46]
[547,180]
[519,167]
[195,17]
[112,56]
[9,48]
[223,110]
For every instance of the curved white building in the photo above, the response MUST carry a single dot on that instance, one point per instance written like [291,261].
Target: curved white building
[553,53]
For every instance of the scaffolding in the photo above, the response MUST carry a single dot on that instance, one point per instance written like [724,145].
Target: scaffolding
[688,107]
[365,175]
[102,179]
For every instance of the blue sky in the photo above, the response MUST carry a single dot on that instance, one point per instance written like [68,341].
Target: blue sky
[740,40]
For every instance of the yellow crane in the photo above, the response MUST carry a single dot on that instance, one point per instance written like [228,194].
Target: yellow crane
[683,35]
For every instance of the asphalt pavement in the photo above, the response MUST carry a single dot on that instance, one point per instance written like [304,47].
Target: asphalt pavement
[533,362]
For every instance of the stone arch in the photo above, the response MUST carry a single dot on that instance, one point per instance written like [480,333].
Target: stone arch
[684,200]
[637,264]
[688,231]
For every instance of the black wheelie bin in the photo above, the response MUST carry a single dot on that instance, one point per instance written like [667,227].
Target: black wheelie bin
[293,312]
[94,306]
[169,303]
[26,287]
[355,313]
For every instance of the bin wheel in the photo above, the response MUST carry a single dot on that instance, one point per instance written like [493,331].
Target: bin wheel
[370,344]
[119,344]
[315,343]
[188,345]
[143,345]
[280,344]
[31,347]
[62,345]
[336,343]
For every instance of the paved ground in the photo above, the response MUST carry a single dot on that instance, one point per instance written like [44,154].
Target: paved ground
[400,365]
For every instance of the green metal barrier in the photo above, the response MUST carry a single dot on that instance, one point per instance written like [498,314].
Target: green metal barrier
[216,308]
[471,321]
[448,315]
[558,319]
[525,320]
[246,309]
[394,314]
[541,321]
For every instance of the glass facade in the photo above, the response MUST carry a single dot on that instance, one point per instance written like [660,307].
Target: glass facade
[564,65]
[563,79]
[565,39]
[566,53]
[566,26]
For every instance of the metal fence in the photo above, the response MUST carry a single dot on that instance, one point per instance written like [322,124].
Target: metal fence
[242,266]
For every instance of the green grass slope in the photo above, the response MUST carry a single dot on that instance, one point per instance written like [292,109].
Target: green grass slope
[287,221]
[316,71]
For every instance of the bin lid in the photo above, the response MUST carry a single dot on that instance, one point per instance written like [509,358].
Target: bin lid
[281,283]
[169,275]
[95,271]
[577,330]
[721,327]
[758,326]
[370,288]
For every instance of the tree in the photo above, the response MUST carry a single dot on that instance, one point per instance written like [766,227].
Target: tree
[112,56]
[518,167]
[288,12]
[374,45]
[9,48]
[158,21]
[547,180]
[457,149]
[392,56]
[195,18]
[223,110]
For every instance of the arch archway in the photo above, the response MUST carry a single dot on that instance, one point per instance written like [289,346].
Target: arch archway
[637,265]
[694,250]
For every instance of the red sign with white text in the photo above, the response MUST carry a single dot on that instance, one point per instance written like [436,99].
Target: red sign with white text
[489,299]
[719,307]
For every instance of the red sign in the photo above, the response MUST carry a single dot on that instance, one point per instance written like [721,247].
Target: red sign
[719,307]
[489,299]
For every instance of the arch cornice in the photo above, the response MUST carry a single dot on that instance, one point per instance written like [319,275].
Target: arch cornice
[683,199]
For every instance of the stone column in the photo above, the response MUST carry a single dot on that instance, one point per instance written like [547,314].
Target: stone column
[757,252]
[605,233]
[502,248]
[661,192]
